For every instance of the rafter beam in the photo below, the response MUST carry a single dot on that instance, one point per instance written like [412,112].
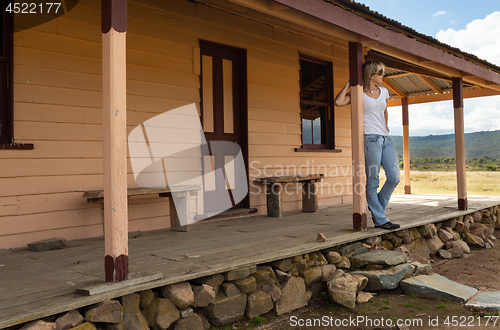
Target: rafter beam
[443,97]
[430,83]
[393,88]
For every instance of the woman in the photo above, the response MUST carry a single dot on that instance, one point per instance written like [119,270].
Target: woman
[379,150]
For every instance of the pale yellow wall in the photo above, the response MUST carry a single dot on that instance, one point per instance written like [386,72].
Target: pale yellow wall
[57,107]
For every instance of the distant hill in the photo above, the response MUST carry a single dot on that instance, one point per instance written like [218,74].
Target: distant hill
[476,145]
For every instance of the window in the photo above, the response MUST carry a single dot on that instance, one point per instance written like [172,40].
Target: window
[316,104]
[6,78]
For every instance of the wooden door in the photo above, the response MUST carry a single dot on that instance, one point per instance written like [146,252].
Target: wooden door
[224,119]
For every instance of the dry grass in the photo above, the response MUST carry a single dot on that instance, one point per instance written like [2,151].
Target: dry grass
[430,182]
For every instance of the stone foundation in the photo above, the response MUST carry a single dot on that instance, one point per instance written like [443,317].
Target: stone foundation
[343,274]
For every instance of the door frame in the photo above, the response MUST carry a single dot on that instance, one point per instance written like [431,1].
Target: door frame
[243,104]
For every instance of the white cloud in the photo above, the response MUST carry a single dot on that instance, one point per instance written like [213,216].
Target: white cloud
[439,13]
[481,37]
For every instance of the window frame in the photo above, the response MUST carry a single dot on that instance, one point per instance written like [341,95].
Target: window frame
[330,121]
[7,84]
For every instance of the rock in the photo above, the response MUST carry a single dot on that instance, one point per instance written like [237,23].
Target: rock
[418,258]
[459,226]
[180,294]
[478,231]
[343,263]
[456,252]
[379,257]
[273,290]
[83,326]
[293,296]
[261,277]
[193,322]
[363,297]
[301,265]
[444,254]
[402,233]
[431,232]
[362,281]
[271,272]
[239,274]
[420,268]
[48,244]
[319,257]
[285,265]
[312,275]
[394,239]
[109,311]
[342,289]
[385,244]
[205,294]
[146,297]
[135,321]
[434,244]
[473,240]
[246,285]
[402,249]
[225,310]
[461,244]
[488,301]
[333,257]
[423,230]
[437,225]
[186,312]
[444,235]
[468,219]
[204,321]
[131,304]
[327,271]
[476,216]
[212,280]
[161,313]
[374,267]
[372,241]
[321,238]
[39,325]
[229,289]
[436,286]
[69,320]
[281,276]
[385,279]
[451,223]
[258,303]
[345,249]
[418,247]
[414,234]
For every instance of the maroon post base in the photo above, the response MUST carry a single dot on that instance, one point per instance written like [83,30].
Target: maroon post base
[359,221]
[407,190]
[116,270]
[463,204]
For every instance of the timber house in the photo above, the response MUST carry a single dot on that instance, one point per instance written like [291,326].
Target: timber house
[261,74]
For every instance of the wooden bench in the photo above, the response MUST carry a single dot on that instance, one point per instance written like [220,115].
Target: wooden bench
[274,190]
[182,194]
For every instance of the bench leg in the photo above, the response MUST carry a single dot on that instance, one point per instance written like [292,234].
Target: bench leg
[179,212]
[309,197]
[274,204]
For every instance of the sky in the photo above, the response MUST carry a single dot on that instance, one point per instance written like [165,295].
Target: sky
[471,26]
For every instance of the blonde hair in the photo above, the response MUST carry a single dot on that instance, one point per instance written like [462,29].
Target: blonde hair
[369,69]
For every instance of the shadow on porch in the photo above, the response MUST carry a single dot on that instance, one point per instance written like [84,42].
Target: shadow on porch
[38,284]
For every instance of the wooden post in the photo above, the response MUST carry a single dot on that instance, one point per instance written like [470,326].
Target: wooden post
[357,136]
[458,101]
[406,145]
[114,28]
[274,203]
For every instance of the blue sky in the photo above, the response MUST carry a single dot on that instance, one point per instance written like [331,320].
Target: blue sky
[473,27]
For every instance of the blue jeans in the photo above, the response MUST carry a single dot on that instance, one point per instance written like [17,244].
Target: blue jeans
[379,151]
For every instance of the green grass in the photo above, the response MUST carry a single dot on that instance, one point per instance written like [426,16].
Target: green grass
[412,296]
[258,320]
[408,305]
[442,306]
[386,307]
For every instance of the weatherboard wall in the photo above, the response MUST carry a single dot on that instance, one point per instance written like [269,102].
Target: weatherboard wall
[58,100]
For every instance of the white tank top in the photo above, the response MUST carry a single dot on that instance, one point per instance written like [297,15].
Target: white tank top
[374,113]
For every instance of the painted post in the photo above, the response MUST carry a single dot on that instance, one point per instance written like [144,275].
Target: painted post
[114,94]
[357,136]
[406,145]
[458,102]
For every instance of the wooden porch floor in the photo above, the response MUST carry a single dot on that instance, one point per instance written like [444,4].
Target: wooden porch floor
[38,284]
